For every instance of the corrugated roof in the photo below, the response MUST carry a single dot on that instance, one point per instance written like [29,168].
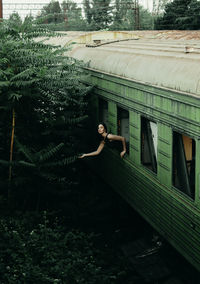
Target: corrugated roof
[169,59]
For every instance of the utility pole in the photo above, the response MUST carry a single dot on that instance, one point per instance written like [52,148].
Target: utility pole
[1,9]
[136,15]
[134,5]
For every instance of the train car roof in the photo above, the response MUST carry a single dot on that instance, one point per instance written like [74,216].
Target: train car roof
[168,59]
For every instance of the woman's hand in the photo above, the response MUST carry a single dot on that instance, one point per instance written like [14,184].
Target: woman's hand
[82,156]
[122,154]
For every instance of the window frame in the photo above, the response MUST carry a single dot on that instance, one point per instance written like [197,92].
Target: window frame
[191,191]
[120,109]
[153,168]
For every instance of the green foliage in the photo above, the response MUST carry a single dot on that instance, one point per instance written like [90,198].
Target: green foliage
[42,86]
[123,16]
[87,11]
[124,19]
[45,253]
[159,6]
[180,15]
[146,19]
[67,16]
[98,13]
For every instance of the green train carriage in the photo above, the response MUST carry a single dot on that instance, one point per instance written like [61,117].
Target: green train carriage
[147,88]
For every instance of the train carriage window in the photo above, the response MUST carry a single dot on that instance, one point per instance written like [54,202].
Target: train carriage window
[103,111]
[149,140]
[184,163]
[123,125]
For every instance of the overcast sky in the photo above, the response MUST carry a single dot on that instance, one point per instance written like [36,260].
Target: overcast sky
[25,7]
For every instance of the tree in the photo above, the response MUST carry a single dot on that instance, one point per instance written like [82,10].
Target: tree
[159,6]
[67,16]
[72,16]
[123,18]
[53,11]
[146,19]
[41,93]
[88,11]
[180,15]
[98,13]
[193,14]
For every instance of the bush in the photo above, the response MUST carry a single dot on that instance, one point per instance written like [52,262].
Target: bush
[46,254]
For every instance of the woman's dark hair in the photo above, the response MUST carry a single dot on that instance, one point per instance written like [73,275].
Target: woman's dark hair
[104,125]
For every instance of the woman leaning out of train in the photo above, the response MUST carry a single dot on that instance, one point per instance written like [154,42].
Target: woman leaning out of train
[105,138]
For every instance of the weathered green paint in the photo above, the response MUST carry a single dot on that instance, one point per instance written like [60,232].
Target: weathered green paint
[134,130]
[165,154]
[112,117]
[172,213]
[151,102]
[197,177]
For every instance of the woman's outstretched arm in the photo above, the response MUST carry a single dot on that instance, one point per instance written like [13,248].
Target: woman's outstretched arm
[119,138]
[95,153]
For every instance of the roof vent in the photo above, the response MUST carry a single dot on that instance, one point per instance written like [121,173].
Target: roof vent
[97,41]
[189,49]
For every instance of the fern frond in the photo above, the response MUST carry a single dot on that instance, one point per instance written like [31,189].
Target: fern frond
[40,45]
[50,152]
[14,96]
[3,61]
[41,31]
[25,151]
[72,121]
[4,163]
[49,176]
[4,84]
[26,164]
[3,75]
[63,162]
[26,74]
[24,84]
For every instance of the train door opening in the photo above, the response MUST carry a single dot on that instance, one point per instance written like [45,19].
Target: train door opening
[149,141]
[123,125]
[184,163]
[103,111]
